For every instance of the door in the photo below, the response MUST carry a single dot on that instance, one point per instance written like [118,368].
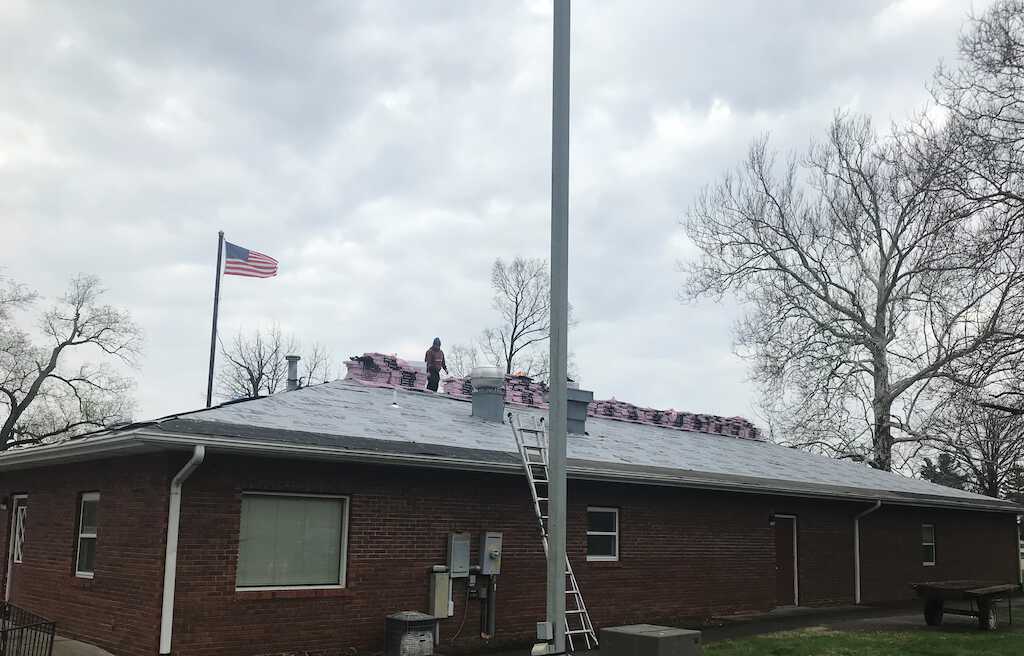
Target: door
[785,561]
[16,547]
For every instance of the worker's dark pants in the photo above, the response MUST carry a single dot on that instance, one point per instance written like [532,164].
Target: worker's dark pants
[433,378]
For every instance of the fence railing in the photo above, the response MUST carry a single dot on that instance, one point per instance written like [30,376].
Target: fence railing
[23,633]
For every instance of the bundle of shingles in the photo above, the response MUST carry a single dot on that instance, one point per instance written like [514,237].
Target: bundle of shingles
[521,390]
[701,423]
[383,369]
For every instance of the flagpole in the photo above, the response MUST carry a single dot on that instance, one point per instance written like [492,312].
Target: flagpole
[213,331]
[558,326]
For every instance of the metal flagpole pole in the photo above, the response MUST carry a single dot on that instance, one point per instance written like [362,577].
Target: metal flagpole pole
[213,331]
[559,323]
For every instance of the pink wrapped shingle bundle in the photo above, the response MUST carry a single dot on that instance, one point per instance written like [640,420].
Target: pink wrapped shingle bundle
[519,390]
[459,388]
[383,369]
[392,371]
[522,390]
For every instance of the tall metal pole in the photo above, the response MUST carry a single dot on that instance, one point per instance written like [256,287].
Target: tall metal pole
[213,331]
[559,323]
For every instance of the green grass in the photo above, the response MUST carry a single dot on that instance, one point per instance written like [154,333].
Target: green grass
[822,642]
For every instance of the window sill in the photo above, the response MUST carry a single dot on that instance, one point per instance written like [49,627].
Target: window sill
[291,593]
[602,559]
[928,564]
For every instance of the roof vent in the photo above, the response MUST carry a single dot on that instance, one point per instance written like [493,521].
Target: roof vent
[293,372]
[488,393]
[576,409]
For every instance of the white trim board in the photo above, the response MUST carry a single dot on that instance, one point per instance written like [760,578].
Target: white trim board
[796,558]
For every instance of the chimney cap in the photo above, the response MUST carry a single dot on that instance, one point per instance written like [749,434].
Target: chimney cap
[292,358]
[487,377]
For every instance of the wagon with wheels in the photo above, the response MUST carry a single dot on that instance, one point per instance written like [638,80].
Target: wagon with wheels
[981,596]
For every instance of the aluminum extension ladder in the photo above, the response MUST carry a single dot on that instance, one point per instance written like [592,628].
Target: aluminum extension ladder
[532,442]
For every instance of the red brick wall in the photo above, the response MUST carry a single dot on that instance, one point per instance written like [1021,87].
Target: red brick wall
[684,554]
[968,545]
[120,608]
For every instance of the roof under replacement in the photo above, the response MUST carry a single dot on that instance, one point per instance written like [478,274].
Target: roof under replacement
[355,421]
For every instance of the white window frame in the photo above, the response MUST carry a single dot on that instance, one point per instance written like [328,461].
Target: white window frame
[342,565]
[929,544]
[20,507]
[86,497]
[615,533]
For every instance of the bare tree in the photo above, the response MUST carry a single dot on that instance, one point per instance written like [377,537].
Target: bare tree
[461,359]
[863,282]
[42,396]
[522,297]
[983,144]
[985,443]
[983,95]
[254,364]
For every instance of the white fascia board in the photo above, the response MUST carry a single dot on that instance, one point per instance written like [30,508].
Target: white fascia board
[73,451]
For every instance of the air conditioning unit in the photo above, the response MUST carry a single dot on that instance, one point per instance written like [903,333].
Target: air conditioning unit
[409,633]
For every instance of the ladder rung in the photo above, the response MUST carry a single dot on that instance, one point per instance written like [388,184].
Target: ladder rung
[574,612]
[577,631]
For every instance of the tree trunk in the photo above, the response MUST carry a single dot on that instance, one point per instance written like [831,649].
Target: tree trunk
[881,406]
[881,440]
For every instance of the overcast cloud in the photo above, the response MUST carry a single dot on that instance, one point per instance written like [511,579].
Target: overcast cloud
[387,152]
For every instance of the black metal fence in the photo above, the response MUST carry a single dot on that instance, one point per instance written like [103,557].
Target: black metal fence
[23,633]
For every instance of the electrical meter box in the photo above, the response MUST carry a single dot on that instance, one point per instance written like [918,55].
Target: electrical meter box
[490,553]
[458,555]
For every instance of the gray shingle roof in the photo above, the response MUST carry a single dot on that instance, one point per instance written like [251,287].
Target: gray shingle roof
[351,415]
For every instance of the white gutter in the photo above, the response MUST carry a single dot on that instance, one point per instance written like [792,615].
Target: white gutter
[171,557]
[856,549]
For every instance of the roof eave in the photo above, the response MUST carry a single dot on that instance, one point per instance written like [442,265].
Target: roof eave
[260,448]
[145,439]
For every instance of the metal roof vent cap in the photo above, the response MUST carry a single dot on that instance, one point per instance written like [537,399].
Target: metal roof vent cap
[577,401]
[488,393]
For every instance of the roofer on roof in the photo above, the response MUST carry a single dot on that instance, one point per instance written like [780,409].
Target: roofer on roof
[435,363]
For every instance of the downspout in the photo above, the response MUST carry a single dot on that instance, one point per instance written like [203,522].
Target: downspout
[171,557]
[856,549]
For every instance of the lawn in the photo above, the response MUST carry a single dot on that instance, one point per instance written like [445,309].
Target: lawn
[821,642]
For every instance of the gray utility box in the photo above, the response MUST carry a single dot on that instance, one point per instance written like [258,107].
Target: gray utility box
[409,634]
[649,640]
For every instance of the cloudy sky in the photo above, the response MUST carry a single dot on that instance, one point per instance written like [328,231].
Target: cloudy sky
[387,152]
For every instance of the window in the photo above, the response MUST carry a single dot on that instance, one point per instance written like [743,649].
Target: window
[292,541]
[85,558]
[928,544]
[20,511]
[602,534]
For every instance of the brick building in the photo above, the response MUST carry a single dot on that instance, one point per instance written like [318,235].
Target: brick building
[303,519]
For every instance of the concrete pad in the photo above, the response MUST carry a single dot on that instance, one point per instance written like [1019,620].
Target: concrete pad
[67,647]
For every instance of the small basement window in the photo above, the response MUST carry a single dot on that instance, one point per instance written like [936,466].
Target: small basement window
[85,558]
[602,533]
[928,544]
[292,541]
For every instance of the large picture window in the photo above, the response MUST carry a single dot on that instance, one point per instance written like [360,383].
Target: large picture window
[928,544]
[291,541]
[85,557]
[602,533]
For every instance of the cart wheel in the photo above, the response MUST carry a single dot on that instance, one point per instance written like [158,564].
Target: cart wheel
[987,618]
[933,612]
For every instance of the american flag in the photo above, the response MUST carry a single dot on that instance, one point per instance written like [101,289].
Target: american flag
[240,261]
